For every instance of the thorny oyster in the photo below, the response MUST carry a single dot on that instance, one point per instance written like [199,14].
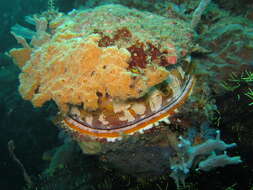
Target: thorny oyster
[114,73]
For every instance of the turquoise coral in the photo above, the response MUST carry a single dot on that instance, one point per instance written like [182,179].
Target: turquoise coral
[208,149]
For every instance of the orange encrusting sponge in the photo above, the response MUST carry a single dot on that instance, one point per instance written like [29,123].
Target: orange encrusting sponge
[73,71]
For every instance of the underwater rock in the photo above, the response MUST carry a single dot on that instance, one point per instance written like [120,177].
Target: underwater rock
[230,42]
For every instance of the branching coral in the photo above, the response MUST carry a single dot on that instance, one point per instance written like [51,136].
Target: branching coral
[198,12]
[209,150]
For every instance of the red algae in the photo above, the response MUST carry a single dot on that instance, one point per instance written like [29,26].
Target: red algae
[138,55]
